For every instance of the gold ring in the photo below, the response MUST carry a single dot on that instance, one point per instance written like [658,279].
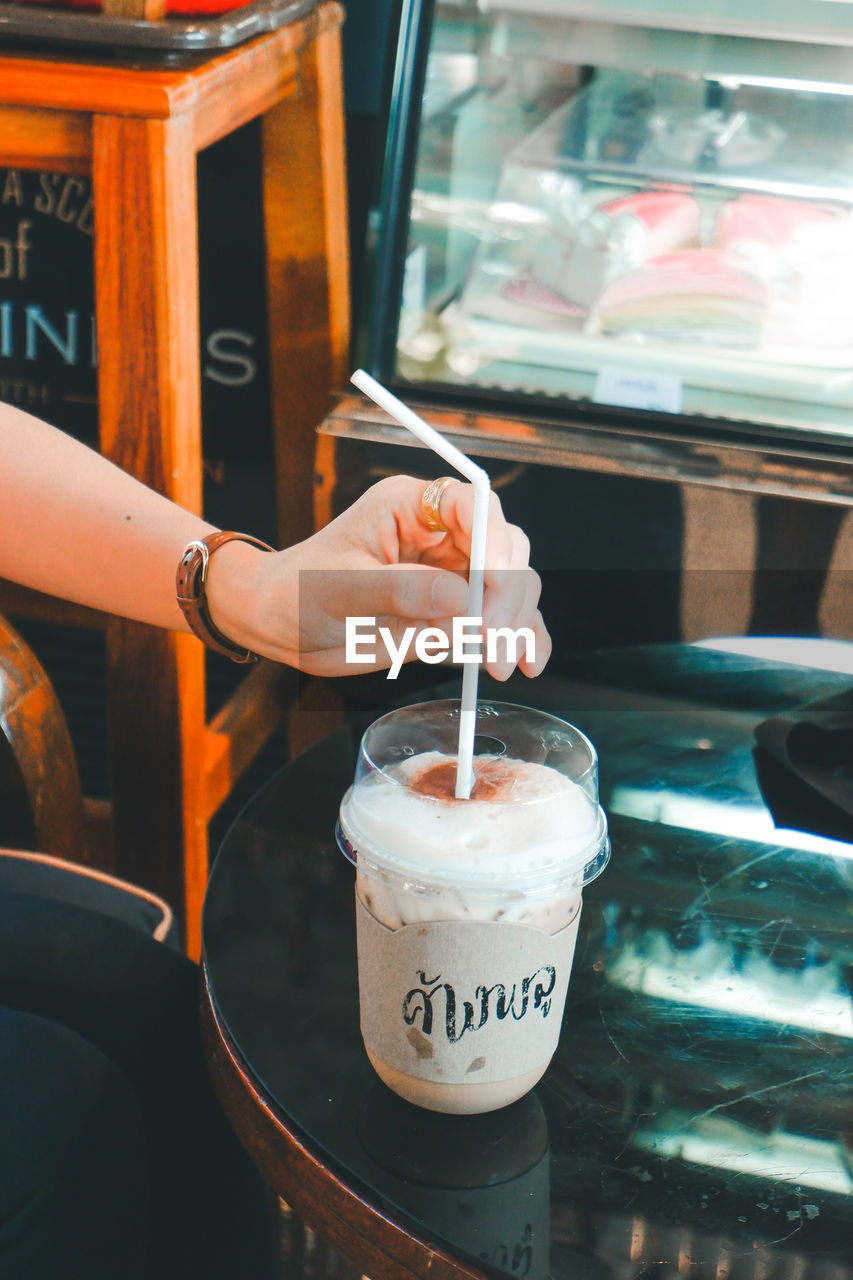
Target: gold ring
[431,504]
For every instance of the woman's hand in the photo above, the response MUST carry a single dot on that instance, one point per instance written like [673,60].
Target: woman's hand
[378,560]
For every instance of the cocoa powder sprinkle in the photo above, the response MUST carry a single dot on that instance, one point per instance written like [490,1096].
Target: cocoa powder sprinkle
[493,780]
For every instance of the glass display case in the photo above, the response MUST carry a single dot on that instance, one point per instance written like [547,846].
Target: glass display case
[591,207]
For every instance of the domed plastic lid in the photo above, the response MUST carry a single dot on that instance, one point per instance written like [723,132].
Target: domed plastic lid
[533,821]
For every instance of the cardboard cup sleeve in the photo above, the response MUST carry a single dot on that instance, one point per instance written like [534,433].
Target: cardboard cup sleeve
[462,1001]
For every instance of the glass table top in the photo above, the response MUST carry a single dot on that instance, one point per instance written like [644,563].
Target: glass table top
[696,1119]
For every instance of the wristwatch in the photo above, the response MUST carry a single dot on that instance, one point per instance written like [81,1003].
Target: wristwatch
[190,584]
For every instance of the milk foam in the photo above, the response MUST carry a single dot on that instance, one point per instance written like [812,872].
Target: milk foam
[535,818]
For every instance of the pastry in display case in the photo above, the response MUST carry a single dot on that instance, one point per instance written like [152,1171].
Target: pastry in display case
[600,212]
[656,240]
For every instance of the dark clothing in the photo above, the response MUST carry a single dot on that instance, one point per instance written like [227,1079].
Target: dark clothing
[116,1162]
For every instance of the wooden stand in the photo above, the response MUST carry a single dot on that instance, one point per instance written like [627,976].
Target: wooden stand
[138,129]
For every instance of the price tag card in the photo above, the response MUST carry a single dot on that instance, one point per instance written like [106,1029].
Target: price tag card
[634,389]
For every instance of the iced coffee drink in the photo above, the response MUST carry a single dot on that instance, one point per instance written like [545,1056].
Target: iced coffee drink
[467,910]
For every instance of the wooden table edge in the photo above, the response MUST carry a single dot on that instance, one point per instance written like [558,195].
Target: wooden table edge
[330,1206]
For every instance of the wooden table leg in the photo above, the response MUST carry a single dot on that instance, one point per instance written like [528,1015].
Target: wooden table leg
[146,302]
[307,262]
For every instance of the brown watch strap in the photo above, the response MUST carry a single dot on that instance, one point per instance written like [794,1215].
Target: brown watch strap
[190,585]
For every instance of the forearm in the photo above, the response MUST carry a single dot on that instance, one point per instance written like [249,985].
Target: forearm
[75,526]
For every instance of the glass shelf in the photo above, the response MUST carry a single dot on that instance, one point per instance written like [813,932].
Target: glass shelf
[806,21]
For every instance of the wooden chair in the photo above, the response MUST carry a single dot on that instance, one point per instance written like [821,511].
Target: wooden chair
[41,803]
[137,128]
[43,847]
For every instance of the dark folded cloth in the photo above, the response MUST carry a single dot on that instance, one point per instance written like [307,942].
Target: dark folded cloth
[804,763]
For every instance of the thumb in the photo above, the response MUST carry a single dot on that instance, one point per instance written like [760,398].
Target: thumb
[415,592]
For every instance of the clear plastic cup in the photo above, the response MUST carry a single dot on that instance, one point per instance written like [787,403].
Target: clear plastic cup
[467,910]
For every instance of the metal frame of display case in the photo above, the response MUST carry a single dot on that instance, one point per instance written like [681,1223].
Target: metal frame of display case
[776,468]
[403,123]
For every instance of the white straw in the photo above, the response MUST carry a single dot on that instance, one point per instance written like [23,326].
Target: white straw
[480,480]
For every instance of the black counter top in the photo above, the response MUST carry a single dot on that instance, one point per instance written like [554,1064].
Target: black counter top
[697,1118]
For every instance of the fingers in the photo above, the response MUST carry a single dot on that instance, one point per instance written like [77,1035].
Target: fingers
[418,577]
[412,592]
[514,633]
[511,597]
[457,512]
[513,620]
[398,498]
[539,653]
[512,588]
[510,607]
[419,593]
